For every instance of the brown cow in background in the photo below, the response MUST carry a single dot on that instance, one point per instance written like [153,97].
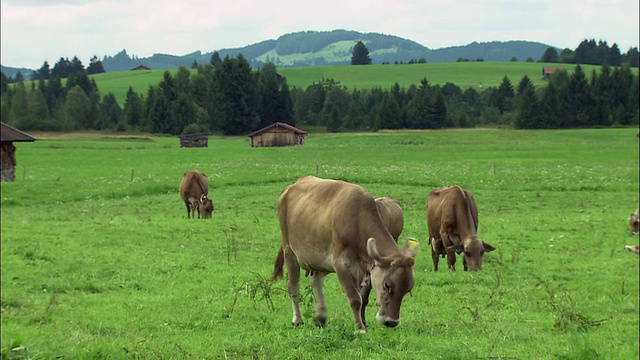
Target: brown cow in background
[194,190]
[452,218]
[391,214]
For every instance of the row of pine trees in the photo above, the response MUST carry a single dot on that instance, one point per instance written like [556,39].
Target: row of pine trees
[229,97]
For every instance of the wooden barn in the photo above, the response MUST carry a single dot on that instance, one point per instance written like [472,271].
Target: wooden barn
[8,136]
[194,140]
[548,70]
[277,134]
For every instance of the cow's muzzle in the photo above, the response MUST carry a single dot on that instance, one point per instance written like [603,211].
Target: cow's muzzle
[387,321]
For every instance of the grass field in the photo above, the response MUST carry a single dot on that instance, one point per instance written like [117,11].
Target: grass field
[478,75]
[100,262]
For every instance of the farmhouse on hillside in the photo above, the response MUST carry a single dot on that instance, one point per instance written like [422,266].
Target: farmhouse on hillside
[277,134]
[548,70]
[8,136]
[141,67]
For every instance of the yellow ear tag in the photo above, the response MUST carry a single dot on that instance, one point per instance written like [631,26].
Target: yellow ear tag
[412,244]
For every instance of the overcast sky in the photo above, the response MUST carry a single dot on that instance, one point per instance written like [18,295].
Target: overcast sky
[37,30]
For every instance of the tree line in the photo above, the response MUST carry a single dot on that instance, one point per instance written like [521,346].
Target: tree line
[229,97]
[605,98]
[225,96]
[591,53]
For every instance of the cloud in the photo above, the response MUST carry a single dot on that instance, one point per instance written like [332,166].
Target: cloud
[37,30]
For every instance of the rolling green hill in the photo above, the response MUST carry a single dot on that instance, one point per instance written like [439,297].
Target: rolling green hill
[479,75]
[312,48]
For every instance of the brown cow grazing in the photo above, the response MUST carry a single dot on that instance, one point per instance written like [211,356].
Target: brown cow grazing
[391,213]
[452,218]
[194,190]
[334,226]
[634,222]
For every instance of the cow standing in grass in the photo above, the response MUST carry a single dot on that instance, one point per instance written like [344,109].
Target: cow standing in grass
[333,226]
[194,190]
[452,219]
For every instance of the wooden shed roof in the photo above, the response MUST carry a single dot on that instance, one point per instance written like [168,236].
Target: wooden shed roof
[9,133]
[279,124]
[141,67]
[547,70]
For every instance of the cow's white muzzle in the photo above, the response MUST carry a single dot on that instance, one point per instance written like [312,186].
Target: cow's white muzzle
[387,321]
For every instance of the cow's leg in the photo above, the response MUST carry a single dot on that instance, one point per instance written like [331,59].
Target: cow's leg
[293,285]
[188,205]
[320,315]
[351,286]
[436,250]
[451,260]
[365,290]
[448,243]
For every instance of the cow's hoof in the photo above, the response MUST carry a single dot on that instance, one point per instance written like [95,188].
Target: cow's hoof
[321,322]
[297,323]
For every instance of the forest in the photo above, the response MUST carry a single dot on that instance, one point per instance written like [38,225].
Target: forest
[230,97]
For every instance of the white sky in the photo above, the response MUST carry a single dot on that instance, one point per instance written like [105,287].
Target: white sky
[33,31]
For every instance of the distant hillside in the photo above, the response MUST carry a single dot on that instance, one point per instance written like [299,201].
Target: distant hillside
[12,72]
[312,48]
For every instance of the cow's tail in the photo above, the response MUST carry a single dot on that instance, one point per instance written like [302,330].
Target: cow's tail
[282,217]
[278,266]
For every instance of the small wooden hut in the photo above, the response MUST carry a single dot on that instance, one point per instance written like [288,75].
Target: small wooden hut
[548,70]
[277,134]
[194,140]
[8,136]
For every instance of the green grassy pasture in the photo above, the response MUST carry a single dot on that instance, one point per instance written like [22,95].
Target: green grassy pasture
[478,75]
[100,262]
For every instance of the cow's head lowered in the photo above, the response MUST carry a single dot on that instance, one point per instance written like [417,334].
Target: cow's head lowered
[392,278]
[472,250]
[634,222]
[205,207]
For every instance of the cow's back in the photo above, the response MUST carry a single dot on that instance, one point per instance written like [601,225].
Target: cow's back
[193,185]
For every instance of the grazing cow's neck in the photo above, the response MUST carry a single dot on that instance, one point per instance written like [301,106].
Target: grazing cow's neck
[468,228]
[202,187]
[385,243]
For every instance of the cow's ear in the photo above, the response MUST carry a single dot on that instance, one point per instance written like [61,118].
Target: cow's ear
[411,248]
[488,247]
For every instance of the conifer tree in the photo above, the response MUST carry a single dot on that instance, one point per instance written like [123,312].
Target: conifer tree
[132,112]
[360,54]
[527,105]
